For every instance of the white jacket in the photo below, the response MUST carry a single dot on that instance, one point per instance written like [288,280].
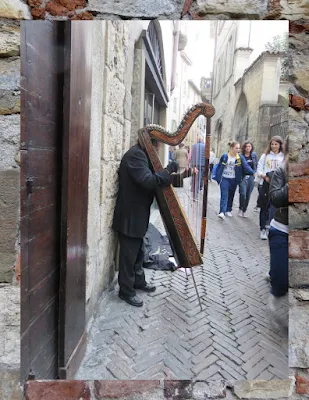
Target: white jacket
[269,162]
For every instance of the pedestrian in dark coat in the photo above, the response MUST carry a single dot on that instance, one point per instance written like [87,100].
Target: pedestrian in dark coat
[137,185]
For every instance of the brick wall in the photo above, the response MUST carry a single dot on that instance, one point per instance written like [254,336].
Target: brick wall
[298,220]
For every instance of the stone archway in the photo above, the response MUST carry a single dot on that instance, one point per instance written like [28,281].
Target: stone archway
[240,123]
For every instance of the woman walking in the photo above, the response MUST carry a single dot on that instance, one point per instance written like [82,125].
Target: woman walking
[278,236]
[229,172]
[246,186]
[271,159]
[181,156]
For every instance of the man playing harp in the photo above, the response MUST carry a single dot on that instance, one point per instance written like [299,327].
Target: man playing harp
[137,185]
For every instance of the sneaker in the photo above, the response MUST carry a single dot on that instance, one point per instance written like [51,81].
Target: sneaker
[244,214]
[267,226]
[221,215]
[274,303]
[256,209]
[229,214]
[240,213]
[263,234]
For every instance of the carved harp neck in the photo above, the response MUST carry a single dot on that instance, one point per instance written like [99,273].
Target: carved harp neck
[173,139]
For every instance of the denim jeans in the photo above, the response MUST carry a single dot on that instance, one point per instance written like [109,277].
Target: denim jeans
[227,188]
[279,269]
[245,189]
[271,212]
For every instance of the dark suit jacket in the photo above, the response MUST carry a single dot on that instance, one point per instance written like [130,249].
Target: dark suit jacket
[137,184]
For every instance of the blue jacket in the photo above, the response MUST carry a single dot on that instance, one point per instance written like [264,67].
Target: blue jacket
[198,155]
[241,168]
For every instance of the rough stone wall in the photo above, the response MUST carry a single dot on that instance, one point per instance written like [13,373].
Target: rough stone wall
[299,222]
[159,390]
[164,9]
[252,86]
[110,138]
[9,207]
[298,212]
[258,112]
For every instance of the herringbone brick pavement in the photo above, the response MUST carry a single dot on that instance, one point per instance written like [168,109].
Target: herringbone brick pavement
[233,337]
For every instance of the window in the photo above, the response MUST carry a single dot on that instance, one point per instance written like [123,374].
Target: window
[155,45]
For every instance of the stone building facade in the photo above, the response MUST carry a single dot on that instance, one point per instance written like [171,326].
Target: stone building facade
[245,93]
[122,103]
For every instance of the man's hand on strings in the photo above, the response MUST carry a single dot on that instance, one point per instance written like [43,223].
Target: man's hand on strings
[194,170]
[172,167]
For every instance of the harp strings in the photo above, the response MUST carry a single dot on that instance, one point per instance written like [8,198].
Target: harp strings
[193,209]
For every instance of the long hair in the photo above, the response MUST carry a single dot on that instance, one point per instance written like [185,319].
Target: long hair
[277,139]
[243,147]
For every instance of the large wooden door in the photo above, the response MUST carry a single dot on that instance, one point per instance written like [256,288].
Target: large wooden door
[55,108]
[41,154]
[77,103]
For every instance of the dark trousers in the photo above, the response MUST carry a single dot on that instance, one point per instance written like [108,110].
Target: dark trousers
[263,211]
[279,269]
[245,189]
[198,180]
[211,167]
[131,273]
[227,188]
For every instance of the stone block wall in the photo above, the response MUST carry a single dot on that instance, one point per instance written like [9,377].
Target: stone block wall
[299,197]
[110,137]
[170,9]
[298,212]
[9,207]
[252,86]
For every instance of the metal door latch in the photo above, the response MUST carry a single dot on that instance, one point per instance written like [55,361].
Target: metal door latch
[29,184]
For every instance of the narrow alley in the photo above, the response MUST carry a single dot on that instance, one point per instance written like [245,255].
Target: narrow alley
[233,337]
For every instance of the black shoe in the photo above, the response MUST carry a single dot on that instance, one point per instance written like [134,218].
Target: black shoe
[147,288]
[133,300]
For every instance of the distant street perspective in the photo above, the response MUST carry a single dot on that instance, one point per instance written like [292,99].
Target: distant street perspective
[233,337]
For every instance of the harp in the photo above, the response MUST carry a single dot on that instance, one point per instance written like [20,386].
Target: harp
[177,227]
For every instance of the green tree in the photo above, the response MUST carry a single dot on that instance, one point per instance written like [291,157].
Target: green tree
[280,44]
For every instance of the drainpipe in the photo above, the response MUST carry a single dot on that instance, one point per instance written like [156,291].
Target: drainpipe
[213,65]
[175,50]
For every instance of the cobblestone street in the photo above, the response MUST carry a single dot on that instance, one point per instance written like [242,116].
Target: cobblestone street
[234,337]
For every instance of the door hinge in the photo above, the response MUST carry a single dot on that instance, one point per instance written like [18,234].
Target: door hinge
[29,185]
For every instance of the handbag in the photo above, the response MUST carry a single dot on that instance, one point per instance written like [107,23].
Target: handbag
[263,195]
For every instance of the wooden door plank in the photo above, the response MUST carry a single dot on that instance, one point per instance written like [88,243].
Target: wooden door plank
[77,101]
[41,134]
